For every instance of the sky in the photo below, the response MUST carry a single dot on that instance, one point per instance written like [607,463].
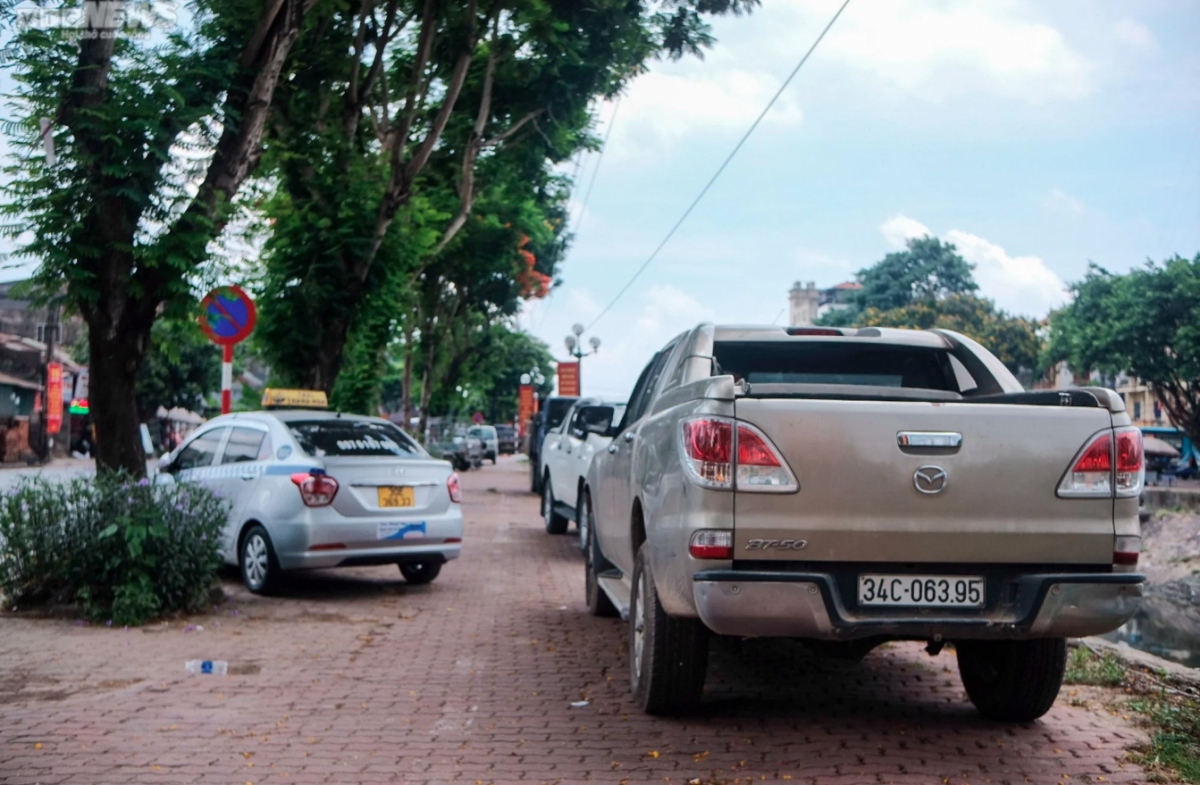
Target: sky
[1036,137]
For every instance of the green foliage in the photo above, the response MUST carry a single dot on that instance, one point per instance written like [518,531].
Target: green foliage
[928,270]
[1013,339]
[1143,323]
[180,369]
[120,549]
[1085,667]
[1175,743]
[929,285]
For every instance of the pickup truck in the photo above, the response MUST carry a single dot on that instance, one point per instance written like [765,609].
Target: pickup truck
[851,487]
[550,415]
[566,456]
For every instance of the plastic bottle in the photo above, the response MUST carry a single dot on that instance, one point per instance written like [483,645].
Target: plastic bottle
[214,667]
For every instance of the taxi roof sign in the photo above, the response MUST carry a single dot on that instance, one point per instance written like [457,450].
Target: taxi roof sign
[294,399]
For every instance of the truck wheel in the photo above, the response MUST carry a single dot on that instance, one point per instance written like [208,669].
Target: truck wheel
[420,573]
[555,523]
[597,601]
[533,477]
[1012,681]
[668,657]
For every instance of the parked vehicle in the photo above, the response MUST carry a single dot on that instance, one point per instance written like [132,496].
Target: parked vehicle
[851,487]
[551,415]
[567,453]
[1183,467]
[488,438]
[310,488]
[506,439]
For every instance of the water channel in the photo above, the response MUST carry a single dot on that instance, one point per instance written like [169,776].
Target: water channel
[1167,625]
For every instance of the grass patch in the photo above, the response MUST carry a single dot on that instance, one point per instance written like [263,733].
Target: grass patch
[1173,715]
[1084,667]
[1175,743]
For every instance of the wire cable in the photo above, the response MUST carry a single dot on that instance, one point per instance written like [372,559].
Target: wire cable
[612,121]
[721,168]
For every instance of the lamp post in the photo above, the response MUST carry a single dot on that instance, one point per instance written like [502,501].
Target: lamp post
[574,344]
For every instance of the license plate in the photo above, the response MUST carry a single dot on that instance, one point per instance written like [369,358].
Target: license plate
[396,496]
[921,591]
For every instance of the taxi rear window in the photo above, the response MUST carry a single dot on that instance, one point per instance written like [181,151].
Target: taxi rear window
[353,438]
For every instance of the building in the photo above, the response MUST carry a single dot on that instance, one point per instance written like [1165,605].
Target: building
[19,317]
[807,303]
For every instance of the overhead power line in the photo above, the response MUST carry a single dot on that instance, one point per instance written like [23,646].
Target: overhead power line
[720,168]
[612,121]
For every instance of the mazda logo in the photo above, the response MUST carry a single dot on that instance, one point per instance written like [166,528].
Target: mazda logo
[930,479]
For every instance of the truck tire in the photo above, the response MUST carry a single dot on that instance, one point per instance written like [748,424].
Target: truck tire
[597,601]
[555,523]
[533,476]
[1012,681]
[668,656]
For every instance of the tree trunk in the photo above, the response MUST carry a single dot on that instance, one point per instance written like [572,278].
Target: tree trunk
[115,359]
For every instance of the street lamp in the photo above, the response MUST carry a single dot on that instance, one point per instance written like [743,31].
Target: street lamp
[574,343]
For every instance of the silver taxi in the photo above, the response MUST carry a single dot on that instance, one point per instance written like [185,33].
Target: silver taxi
[314,489]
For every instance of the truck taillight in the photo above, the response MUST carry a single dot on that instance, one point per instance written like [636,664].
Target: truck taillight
[725,454]
[1126,551]
[708,450]
[453,487]
[711,544]
[1102,471]
[317,488]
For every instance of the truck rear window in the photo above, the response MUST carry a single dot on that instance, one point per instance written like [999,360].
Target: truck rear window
[337,438]
[836,362]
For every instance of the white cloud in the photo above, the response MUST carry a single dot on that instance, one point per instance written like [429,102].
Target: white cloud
[1134,33]
[1059,201]
[899,229]
[1019,284]
[939,50]
[674,100]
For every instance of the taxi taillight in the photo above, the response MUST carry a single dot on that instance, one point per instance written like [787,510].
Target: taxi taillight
[317,488]
[453,487]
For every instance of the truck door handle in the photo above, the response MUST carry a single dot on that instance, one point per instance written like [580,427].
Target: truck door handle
[629,437]
[612,449]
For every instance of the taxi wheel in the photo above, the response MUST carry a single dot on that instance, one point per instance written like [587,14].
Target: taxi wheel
[420,573]
[260,568]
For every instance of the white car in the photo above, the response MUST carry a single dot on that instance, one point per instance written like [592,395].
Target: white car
[487,435]
[566,455]
[320,489]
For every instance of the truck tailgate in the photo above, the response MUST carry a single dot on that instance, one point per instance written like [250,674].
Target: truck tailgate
[858,499]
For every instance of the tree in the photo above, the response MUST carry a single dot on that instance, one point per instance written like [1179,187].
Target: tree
[181,368]
[383,157]
[125,218]
[928,269]
[1013,339]
[1143,323]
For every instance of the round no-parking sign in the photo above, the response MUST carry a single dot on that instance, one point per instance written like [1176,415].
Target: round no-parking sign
[227,315]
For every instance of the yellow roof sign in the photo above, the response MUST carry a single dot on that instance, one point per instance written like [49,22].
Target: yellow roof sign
[294,399]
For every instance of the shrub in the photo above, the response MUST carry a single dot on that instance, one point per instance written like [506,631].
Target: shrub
[120,549]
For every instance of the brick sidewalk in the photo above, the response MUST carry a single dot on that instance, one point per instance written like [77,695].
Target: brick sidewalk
[352,676]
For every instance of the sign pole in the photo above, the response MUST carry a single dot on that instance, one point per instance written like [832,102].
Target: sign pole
[227,379]
[227,317]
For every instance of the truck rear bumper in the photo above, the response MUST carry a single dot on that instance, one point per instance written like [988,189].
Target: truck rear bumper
[808,605]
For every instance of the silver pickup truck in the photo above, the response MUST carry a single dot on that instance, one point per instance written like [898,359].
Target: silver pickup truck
[851,487]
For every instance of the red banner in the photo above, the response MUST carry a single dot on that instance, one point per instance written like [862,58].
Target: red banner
[54,397]
[524,408]
[568,379]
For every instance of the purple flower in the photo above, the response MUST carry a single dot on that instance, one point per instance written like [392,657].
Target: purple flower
[142,483]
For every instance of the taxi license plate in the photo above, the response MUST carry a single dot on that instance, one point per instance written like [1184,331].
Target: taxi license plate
[921,591]
[396,496]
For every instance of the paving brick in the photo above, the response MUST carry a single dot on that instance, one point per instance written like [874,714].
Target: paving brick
[354,676]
